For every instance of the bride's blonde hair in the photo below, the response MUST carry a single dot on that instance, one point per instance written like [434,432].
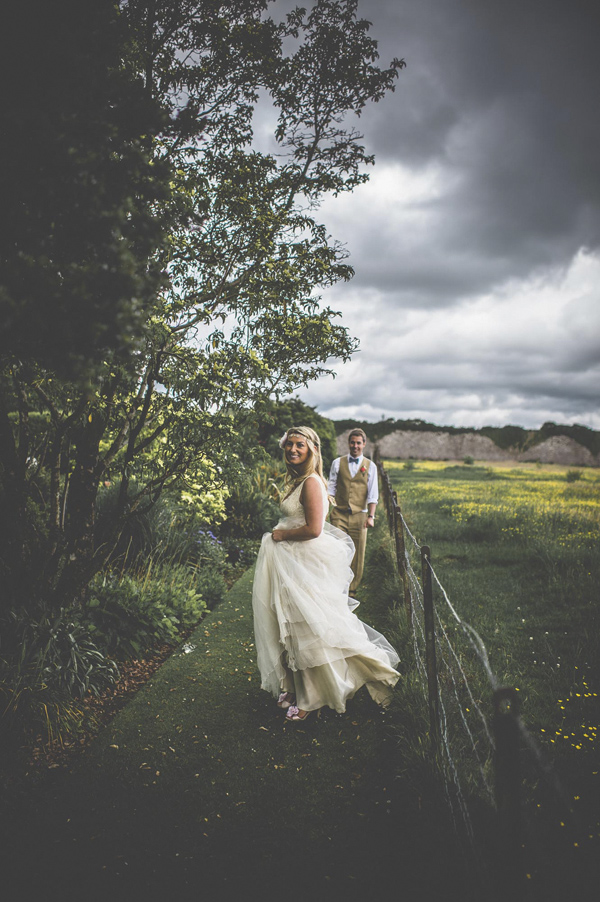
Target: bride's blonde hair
[312,464]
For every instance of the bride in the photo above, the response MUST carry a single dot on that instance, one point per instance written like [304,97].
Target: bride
[312,650]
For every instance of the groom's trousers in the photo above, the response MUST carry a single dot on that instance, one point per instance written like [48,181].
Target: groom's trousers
[354,526]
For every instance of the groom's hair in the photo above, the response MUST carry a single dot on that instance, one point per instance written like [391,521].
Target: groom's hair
[357,432]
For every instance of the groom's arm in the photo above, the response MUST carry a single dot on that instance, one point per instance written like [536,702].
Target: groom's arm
[372,495]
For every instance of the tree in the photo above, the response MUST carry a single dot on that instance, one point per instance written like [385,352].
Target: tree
[81,188]
[280,416]
[238,320]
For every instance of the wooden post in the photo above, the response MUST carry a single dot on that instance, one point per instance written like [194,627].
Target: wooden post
[388,501]
[430,656]
[505,724]
[401,554]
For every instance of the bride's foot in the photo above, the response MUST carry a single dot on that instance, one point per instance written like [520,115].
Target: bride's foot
[295,714]
[285,700]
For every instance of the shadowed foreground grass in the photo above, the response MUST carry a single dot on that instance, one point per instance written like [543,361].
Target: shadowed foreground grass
[516,549]
[197,789]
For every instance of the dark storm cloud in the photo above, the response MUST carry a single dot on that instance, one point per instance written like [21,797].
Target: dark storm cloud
[475,243]
[504,93]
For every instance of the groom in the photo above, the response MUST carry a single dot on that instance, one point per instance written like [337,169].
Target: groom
[353,490]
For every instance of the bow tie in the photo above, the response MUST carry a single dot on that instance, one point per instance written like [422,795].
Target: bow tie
[354,460]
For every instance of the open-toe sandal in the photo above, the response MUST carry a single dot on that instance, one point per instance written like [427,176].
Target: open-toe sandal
[293,714]
[285,700]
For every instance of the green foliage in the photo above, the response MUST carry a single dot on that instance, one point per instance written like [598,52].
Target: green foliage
[252,505]
[60,655]
[573,475]
[57,661]
[589,438]
[507,436]
[170,531]
[278,417]
[129,614]
[241,553]
[81,226]
[468,460]
[187,228]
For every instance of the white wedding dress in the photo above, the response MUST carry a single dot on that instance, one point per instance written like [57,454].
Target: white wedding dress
[308,640]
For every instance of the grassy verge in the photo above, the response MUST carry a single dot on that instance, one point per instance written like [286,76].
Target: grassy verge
[517,551]
[198,786]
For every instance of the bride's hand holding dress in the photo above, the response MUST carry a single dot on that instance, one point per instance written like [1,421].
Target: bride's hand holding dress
[310,645]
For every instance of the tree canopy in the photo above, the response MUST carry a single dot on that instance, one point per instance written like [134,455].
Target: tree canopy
[83,193]
[179,265]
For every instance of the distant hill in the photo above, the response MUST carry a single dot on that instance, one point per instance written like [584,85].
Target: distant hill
[552,443]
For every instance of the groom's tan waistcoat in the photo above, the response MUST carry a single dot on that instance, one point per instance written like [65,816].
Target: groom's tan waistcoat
[351,494]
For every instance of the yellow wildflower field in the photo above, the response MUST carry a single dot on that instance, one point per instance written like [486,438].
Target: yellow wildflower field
[517,551]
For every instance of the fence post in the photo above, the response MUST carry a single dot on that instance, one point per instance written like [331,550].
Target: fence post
[401,553]
[430,658]
[505,724]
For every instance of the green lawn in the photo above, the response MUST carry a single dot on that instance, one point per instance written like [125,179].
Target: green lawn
[198,790]
[516,549]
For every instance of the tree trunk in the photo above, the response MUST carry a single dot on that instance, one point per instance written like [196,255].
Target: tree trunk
[82,562]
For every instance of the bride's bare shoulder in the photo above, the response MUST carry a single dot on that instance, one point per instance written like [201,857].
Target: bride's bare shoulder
[313,485]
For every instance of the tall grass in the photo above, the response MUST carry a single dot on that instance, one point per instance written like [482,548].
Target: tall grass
[517,552]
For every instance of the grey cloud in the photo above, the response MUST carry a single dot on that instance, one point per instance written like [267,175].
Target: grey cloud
[506,92]
[499,99]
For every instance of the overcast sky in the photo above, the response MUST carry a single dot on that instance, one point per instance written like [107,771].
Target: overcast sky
[476,242]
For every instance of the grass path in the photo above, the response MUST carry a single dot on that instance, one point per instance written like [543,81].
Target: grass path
[197,789]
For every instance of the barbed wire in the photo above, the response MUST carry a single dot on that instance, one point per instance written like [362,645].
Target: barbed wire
[456,797]
[455,693]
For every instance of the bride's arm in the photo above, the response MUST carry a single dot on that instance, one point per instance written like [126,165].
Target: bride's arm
[311,498]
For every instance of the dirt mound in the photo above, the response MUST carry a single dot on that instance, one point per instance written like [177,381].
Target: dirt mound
[560,449]
[440,445]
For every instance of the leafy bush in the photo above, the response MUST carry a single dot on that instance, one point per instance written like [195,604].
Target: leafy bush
[130,613]
[169,531]
[252,506]
[408,465]
[70,662]
[57,663]
[58,652]
[573,475]
[468,460]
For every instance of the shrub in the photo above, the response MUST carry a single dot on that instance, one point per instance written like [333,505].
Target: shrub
[130,613]
[573,475]
[168,532]
[58,661]
[241,552]
[252,506]
[409,465]
[468,460]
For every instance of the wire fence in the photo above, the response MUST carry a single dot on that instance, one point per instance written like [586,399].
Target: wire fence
[488,758]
